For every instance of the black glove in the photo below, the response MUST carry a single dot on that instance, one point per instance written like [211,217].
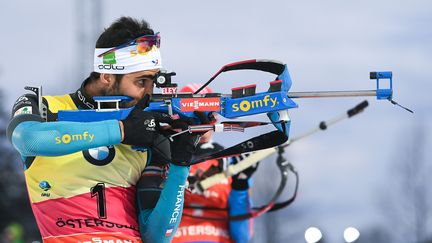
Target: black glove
[141,128]
[240,180]
[161,151]
[180,150]
[205,118]
[184,146]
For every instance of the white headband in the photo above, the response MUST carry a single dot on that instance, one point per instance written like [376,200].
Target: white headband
[126,60]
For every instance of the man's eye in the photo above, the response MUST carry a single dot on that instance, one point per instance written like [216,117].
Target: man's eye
[144,82]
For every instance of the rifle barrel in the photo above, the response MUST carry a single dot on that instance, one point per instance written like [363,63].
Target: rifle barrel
[293,95]
[326,94]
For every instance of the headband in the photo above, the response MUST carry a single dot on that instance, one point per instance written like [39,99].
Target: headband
[126,60]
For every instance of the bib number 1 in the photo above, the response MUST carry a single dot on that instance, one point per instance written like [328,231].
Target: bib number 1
[98,191]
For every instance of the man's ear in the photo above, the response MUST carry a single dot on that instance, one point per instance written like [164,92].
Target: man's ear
[107,78]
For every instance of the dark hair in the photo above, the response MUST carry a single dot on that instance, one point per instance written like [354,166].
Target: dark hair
[121,31]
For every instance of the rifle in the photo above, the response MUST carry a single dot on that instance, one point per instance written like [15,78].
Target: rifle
[243,101]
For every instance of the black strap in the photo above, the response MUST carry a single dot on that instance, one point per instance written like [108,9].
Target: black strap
[286,203]
[284,167]
[264,141]
[260,65]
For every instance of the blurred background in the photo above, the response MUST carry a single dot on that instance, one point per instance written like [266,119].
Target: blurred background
[370,172]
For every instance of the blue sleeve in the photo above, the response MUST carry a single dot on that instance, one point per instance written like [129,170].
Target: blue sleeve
[34,138]
[160,223]
[239,203]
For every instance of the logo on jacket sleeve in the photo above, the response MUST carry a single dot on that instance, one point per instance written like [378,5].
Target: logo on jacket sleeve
[23,110]
[68,138]
[169,232]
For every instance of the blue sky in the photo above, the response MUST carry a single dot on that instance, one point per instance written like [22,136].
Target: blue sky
[327,45]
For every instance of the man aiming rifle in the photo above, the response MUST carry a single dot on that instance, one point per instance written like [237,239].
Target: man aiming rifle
[81,177]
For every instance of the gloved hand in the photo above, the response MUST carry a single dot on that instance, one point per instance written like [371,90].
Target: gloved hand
[240,180]
[141,128]
[205,118]
[184,146]
[179,151]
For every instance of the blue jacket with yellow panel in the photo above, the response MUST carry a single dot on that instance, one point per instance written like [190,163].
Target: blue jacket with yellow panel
[82,181]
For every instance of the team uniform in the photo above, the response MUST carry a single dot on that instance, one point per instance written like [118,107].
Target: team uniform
[81,180]
[219,201]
